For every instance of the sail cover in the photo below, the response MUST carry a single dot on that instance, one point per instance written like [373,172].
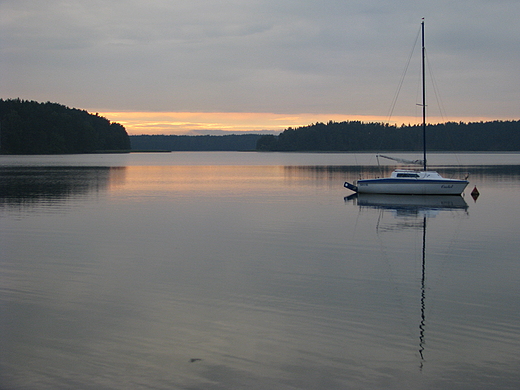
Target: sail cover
[402,160]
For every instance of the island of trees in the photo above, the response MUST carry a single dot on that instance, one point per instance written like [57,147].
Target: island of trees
[29,127]
[360,136]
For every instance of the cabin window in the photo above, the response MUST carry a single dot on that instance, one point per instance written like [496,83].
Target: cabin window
[415,175]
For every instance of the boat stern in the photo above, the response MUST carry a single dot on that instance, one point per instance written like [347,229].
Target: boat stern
[350,186]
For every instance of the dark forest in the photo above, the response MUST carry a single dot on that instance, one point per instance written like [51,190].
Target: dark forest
[360,136]
[29,127]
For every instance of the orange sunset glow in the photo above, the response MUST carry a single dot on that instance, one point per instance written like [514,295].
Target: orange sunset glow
[185,180]
[176,123]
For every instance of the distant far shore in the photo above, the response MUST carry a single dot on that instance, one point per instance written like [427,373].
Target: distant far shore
[29,127]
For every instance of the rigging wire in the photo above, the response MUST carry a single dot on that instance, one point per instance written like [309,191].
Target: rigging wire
[438,99]
[442,111]
[401,82]
[400,85]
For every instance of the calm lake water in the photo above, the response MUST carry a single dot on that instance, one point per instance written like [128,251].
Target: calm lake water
[254,271]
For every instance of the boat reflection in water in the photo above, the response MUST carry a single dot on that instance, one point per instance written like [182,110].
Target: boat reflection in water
[410,204]
[419,209]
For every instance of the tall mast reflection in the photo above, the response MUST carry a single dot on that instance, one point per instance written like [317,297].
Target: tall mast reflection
[412,206]
[422,324]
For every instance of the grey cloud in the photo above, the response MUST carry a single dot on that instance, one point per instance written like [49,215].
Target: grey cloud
[279,56]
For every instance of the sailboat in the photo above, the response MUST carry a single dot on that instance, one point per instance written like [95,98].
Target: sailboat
[407,181]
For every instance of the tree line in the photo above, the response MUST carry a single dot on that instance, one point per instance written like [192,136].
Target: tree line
[360,136]
[29,127]
[231,142]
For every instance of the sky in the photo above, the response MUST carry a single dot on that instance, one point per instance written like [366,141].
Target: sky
[208,66]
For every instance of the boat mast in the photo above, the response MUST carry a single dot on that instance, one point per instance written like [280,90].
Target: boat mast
[423,97]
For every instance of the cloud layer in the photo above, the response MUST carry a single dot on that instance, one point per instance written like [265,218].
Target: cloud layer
[328,57]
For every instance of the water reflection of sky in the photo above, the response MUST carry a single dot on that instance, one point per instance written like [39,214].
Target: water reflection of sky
[263,272]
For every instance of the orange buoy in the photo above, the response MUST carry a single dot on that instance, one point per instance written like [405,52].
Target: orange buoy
[475,193]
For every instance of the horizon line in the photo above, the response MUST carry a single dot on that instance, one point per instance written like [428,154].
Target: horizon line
[197,123]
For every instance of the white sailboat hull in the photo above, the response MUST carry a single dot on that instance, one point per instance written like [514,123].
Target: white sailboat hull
[411,186]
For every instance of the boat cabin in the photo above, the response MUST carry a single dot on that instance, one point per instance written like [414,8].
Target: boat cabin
[409,174]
